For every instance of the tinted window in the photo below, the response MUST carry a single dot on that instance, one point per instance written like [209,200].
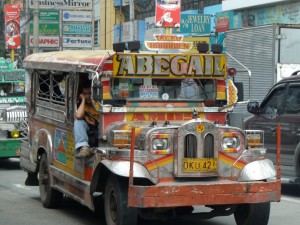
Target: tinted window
[292,104]
[274,102]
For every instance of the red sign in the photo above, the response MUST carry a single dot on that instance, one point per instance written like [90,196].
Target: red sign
[12,26]
[222,24]
[167,13]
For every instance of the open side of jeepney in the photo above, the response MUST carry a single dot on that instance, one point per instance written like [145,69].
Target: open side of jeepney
[163,143]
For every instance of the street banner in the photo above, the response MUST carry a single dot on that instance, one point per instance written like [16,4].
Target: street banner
[167,13]
[12,26]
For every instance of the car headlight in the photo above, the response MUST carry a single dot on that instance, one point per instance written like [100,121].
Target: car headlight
[160,144]
[15,133]
[230,142]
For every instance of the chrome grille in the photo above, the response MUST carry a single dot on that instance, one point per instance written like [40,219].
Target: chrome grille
[209,146]
[190,146]
[15,116]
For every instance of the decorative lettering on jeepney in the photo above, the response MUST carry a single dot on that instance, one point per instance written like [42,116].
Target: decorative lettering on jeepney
[158,116]
[172,66]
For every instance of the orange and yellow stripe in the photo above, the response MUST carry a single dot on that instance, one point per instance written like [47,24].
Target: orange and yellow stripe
[154,164]
[229,160]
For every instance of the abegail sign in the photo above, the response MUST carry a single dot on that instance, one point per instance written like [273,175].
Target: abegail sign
[167,13]
[12,26]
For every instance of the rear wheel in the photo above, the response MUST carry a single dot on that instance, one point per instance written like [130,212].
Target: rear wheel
[252,214]
[50,197]
[116,207]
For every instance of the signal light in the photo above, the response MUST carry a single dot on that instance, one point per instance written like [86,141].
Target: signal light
[231,71]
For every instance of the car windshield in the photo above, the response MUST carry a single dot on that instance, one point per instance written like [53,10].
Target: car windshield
[164,89]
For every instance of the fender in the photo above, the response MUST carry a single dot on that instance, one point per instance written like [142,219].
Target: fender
[39,141]
[120,168]
[258,170]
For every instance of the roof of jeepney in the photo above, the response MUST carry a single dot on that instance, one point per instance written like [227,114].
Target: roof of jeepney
[69,60]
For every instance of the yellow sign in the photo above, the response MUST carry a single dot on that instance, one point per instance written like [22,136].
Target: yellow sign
[179,45]
[195,41]
[137,65]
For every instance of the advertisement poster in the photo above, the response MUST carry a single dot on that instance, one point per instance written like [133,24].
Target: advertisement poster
[12,26]
[167,13]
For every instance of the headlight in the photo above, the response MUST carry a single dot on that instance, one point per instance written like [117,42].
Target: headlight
[15,133]
[160,144]
[230,142]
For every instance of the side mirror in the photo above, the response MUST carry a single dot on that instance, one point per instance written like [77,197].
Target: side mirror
[240,88]
[253,107]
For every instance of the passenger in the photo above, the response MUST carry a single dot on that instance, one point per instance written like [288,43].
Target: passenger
[87,118]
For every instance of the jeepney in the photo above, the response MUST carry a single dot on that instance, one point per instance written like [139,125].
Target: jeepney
[162,146]
[13,113]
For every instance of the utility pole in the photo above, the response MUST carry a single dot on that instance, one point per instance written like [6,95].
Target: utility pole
[36,26]
[131,16]
[27,28]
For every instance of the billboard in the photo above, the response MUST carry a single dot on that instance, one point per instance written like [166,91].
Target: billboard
[167,13]
[12,26]
[63,4]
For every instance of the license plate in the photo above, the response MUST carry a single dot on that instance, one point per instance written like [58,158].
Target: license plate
[199,165]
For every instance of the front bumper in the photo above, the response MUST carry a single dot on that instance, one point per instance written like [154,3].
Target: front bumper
[222,192]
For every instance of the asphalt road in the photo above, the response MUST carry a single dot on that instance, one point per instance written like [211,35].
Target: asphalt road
[20,205]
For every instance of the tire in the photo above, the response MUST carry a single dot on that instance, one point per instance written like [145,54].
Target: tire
[50,197]
[252,214]
[115,203]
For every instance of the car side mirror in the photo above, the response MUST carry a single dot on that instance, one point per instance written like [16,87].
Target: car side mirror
[253,107]
[240,88]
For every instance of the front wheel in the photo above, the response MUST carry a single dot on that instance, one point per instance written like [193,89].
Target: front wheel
[116,207]
[252,214]
[50,197]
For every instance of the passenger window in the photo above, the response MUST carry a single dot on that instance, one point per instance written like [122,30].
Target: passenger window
[274,102]
[292,105]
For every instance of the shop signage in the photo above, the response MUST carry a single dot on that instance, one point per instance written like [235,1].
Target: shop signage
[77,42]
[222,24]
[49,15]
[194,23]
[46,28]
[77,29]
[46,41]
[77,16]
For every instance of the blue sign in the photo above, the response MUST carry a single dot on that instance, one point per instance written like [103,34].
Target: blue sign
[194,23]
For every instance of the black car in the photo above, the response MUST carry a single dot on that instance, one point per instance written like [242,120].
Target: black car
[281,105]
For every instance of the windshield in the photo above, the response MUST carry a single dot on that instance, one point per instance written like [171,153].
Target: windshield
[12,89]
[148,89]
